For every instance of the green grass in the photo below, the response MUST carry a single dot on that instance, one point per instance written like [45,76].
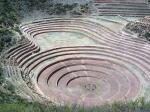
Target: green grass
[23,106]
[11,107]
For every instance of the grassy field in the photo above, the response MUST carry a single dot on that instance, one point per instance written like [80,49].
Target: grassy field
[59,39]
[23,106]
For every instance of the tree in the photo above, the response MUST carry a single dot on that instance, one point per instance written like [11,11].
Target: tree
[8,14]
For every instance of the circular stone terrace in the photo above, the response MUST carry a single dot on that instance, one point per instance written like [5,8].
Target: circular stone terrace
[82,61]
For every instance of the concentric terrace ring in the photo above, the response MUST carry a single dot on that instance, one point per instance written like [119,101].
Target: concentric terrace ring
[115,68]
[105,79]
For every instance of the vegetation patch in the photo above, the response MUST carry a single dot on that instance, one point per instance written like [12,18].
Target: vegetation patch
[23,106]
[6,38]
[141,27]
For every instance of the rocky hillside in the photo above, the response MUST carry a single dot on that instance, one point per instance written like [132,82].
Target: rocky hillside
[140,27]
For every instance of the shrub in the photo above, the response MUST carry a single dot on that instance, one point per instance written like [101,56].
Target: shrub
[147,35]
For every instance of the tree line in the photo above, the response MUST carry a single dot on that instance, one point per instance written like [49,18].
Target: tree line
[12,11]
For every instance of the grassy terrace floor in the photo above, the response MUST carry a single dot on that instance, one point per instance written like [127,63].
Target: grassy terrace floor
[60,39]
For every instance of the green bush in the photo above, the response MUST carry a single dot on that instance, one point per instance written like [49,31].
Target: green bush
[84,8]
[6,39]
[1,77]
[147,35]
